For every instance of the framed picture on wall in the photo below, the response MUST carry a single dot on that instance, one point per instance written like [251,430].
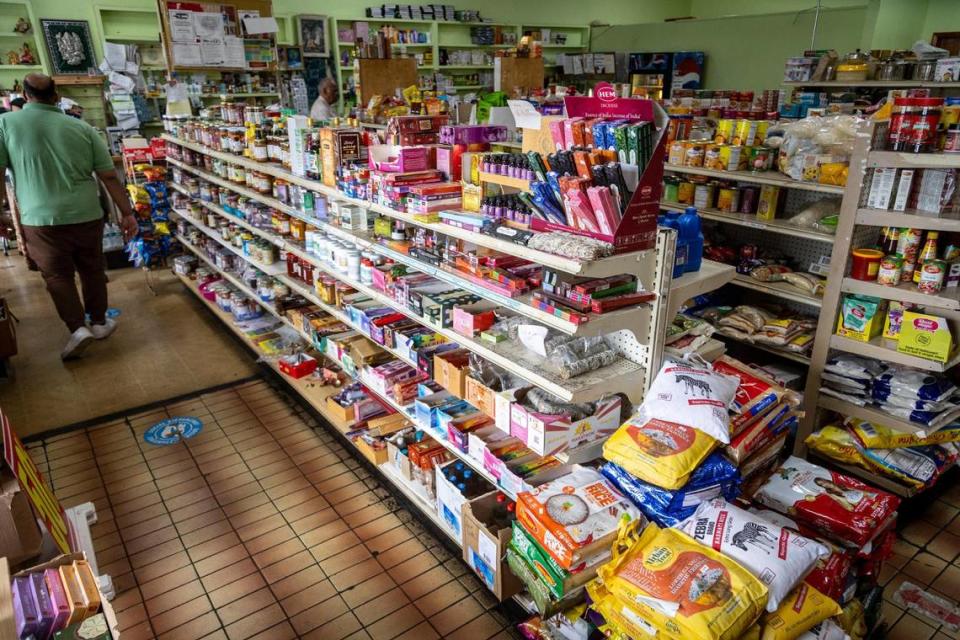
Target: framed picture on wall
[69,46]
[313,35]
[291,58]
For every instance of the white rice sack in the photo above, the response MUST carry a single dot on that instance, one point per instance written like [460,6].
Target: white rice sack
[778,557]
[694,396]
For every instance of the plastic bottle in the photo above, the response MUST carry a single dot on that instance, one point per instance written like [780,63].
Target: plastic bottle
[672,220]
[690,230]
[928,252]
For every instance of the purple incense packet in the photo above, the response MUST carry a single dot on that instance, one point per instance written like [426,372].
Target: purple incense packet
[24,611]
[45,611]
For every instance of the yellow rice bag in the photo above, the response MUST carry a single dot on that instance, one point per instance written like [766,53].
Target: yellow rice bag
[659,452]
[836,444]
[800,612]
[753,633]
[875,436]
[682,588]
[623,623]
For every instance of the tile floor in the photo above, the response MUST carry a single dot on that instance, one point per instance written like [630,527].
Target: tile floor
[259,527]
[151,357]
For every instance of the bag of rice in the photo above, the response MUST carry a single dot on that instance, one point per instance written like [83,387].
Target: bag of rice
[876,436]
[778,557]
[759,434]
[659,452]
[692,395]
[756,393]
[910,383]
[716,476]
[681,587]
[801,611]
[833,503]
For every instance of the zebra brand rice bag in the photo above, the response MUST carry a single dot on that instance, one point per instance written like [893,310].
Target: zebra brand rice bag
[657,451]
[692,395]
[575,515]
[835,504]
[801,611]
[777,556]
[681,587]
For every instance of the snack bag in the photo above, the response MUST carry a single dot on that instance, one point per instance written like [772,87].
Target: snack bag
[716,476]
[775,555]
[681,587]
[833,503]
[694,396]
[875,436]
[575,515]
[800,612]
[659,452]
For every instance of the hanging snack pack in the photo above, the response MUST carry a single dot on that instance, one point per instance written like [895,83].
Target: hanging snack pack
[692,395]
[777,556]
[715,477]
[575,515]
[682,588]
[801,611]
[849,510]
[659,452]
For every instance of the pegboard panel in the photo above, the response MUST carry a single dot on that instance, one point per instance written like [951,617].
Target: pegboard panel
[799,199]
[803,251]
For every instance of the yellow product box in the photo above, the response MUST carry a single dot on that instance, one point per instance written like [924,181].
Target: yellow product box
[925,336]
[861,318]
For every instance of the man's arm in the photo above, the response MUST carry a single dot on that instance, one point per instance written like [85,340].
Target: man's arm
[128,221]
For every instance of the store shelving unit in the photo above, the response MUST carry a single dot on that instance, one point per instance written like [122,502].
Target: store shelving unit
[751,221]
[10,11]
[880,84]
[756,177]
[860,227]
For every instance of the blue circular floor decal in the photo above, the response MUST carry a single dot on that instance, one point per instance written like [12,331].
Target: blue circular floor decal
[172,430]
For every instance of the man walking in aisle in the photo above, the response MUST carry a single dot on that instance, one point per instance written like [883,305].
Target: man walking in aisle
[53,158]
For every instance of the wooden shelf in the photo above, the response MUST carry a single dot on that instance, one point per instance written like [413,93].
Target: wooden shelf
[505,181]
[886,351]
[761,177]
[777,289]
[751,221]
[914,219]
[948,298]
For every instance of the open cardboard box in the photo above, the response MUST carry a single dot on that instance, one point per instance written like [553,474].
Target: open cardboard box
[484,547]
[20,536]
[8,627]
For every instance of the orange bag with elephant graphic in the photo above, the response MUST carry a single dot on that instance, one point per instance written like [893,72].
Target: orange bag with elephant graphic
[682,588]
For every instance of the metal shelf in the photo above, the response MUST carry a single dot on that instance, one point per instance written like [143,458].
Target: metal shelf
[906,292]
[763,177]
[789,355]
[712,275]
[778,289]
[878,416]
[750,220]
[604,267]
[886,351]
[914,219]
[913,160]
[274,269]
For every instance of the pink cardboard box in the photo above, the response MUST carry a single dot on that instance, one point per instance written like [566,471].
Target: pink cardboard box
[394,159]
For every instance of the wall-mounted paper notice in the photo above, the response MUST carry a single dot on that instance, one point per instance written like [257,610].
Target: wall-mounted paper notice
[186,54]
[260,25]
[213,51]
[234,57]
[208,25]
[181,26]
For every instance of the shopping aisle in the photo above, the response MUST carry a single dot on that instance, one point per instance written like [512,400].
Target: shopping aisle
[152,356]
[260,527]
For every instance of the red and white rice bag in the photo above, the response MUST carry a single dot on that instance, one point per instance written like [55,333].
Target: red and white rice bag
[780,558]
[692,395]
[756,393]
[839,506]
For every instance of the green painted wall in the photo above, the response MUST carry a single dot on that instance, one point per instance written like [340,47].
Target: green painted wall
[745,52]
[898,23]
[718,9]
[942,15]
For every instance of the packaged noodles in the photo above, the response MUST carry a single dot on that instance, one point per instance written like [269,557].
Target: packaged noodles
[681,588]
[659,452]
[777,556]
[833,503]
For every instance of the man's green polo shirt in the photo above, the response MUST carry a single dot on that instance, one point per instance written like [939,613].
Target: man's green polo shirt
[53,158]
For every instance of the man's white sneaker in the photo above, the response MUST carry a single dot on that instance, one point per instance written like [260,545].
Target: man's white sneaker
[101,331]
[78,342]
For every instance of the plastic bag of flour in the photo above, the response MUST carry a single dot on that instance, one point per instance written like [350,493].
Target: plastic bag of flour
[780,558]
[693,395]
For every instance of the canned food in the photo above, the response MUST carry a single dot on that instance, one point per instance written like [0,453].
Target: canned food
[760,159]
[670,191]
[703,195]
[685,191]
[728,198]
[675,155]
[724,132]
[693,156]
[932,275]
[711,157]
[767,204]
[889,272]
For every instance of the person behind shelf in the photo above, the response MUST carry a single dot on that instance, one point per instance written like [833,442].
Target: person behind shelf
[56,161]
[325,106]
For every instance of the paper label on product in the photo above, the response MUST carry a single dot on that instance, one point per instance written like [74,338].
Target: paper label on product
[487,548]
[181,26]
[524,114]
[533,337]
[605,103]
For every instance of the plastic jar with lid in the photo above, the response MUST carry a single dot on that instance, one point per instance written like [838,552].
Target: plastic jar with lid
[923,137]
[353,264]
[366,270]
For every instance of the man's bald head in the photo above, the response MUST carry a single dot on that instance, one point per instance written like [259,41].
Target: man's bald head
[328,89]
[38,87]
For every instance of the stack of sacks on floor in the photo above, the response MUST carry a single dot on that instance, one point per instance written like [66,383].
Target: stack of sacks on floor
[564,531]
[724,572]
[908,458]
[909,394]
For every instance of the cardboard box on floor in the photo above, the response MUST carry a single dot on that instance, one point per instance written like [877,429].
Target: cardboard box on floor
[8,627]
[20,536]
[484,548]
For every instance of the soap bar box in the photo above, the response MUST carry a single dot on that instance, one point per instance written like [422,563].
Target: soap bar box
[7,622]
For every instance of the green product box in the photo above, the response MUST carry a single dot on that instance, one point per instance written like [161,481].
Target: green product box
[633,144]
[620,142]
[558,581]
[547,606]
